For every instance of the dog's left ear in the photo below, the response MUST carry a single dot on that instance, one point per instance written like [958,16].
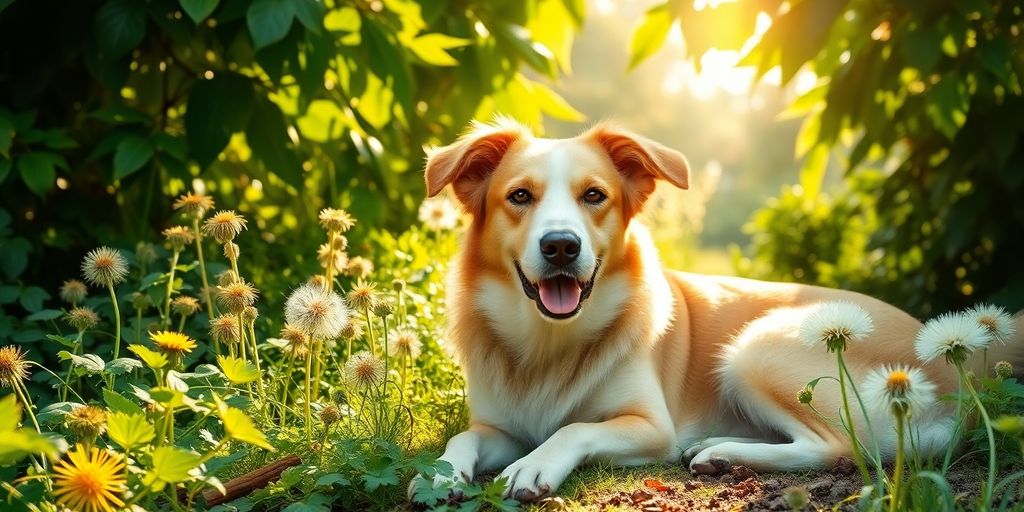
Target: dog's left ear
[641,162]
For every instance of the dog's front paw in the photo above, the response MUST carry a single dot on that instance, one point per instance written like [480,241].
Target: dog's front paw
[530,479]
[707,463]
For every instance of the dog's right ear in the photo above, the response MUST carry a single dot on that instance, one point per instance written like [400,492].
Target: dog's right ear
[467,164]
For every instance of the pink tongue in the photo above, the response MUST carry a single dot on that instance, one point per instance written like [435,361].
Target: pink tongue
[560,295]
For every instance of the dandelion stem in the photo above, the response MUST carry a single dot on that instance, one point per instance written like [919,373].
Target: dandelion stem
[988,430]
[181,323]
[318,365]
[138,325]
[897,476]
[22,392]
[369,330]
[309,416]
[170,288]
[117,327]
[285,385]
[858,457]
[329,268]
[256,360]
[202,273]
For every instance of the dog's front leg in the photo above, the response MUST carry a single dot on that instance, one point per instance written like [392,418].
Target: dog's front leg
[480,449]
[626,440]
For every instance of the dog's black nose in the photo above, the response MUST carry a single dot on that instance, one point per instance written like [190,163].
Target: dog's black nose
[560,247]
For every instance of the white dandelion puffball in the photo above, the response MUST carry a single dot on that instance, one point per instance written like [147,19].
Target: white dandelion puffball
[898,388]
[317,312]
[104,267]
[834,324]
[364,370]
[996,320]
[953,335]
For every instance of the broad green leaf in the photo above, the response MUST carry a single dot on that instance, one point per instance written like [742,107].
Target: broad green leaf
[44,315]
[237,370]
[63,340]
[32,297]
[172,464]
[120,27]
[6,135]
[118,403]
[217,108]
[199,10]
[131,154]
[152,358]
[431,48]
[240,427]
[14,259]
[807,137]
[269,21]
[267,135]
[16,445]
[332,479]
[167,397]
[812,174]
[129,430]
[37,171]
[535,54]
[54,413]
[5,169]
[922,47]
[310,13]
[122,365]
[554,105]
[92,363]
[650,34]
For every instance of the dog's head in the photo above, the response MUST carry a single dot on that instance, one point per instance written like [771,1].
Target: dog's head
[551,212]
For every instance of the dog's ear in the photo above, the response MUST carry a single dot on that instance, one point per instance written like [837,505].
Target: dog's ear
[641,162]
[467,163]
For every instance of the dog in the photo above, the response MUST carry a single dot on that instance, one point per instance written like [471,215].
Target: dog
[577,346]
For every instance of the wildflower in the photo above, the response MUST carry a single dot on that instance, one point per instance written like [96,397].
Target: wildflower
[224,226]
[90,480]
[330,415]
[364,370]
[363,295]
[87,422]
[951,335]
[1009,425]
[145,253]
[805,396]
[194,204]
[796,497]
[359,267]
[319,313]
[323,255]
[225,278]
[383,308]
[250,314]
[339,242]
[898,388]
[335,220]
[104,267]
[73,291]
[1004,369]
[172,342]
[296,338]
[995,320]
[835,324]
[236,296]
[404,343]
[439,213]
[141,301]
[232,251]
[398,285]
[185,306]
[13,366]
[352,330]
[179,236]
[82,318]
[224,329]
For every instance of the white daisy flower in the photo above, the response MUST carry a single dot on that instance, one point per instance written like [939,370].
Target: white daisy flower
[439,213]
[835,324]
[899,389]
[317,312]
[996,320]
[953,335]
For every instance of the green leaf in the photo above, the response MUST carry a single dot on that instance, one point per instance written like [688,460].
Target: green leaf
[132,153]
[380,477]
[217,108]
[122,365]
[46,314]
[63,340]
[812,174]
[237,370]
[267,135]
[269,21]
[310,13]
[32,298]
[240,427]
[535,54]
[54,413]
[129,430]
[6,135]
[118,403]
[431,48]
[5,168]
[577,9]
[120,27]
[37,171]
[650,34]
[14,259]
[152,358]
[922,47]
[331,479]
[92,363]
[199,10]
[172,464]
[552,104]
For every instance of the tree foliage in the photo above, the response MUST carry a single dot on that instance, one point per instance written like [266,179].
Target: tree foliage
[920,105]
[114,105]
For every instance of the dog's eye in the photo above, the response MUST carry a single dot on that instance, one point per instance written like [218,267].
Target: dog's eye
[520,196]
[594,196]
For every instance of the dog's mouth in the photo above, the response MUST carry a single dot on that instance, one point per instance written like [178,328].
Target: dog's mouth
[558,296]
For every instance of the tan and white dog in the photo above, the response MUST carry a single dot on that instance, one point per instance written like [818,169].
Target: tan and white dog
[578,346]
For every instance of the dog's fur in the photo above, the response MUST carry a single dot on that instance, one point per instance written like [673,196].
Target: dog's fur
[656,365]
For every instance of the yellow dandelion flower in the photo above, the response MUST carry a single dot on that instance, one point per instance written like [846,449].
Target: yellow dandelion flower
[90,480]
[172,342]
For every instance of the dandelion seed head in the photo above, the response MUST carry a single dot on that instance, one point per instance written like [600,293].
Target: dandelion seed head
[323,255]
[363,295]
[952,335]
[330,415]
[82,318]
[185,305]
[13,366]
[87,421]
[439,213]
[996,320]
[359,267]
[835,324]
[179,236]
[104,267]
[224,226]
[335,220]
[898,388]
[73,291]
[224,329]
[364,370]
[145,253]
[237,296]
[319,313]
[193,204]
[404,343]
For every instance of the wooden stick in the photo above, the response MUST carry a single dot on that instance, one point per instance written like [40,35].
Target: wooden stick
[245,484]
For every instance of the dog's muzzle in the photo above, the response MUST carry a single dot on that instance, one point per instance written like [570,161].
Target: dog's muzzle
[559,296]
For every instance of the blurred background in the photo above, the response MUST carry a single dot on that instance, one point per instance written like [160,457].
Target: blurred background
[870,145]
